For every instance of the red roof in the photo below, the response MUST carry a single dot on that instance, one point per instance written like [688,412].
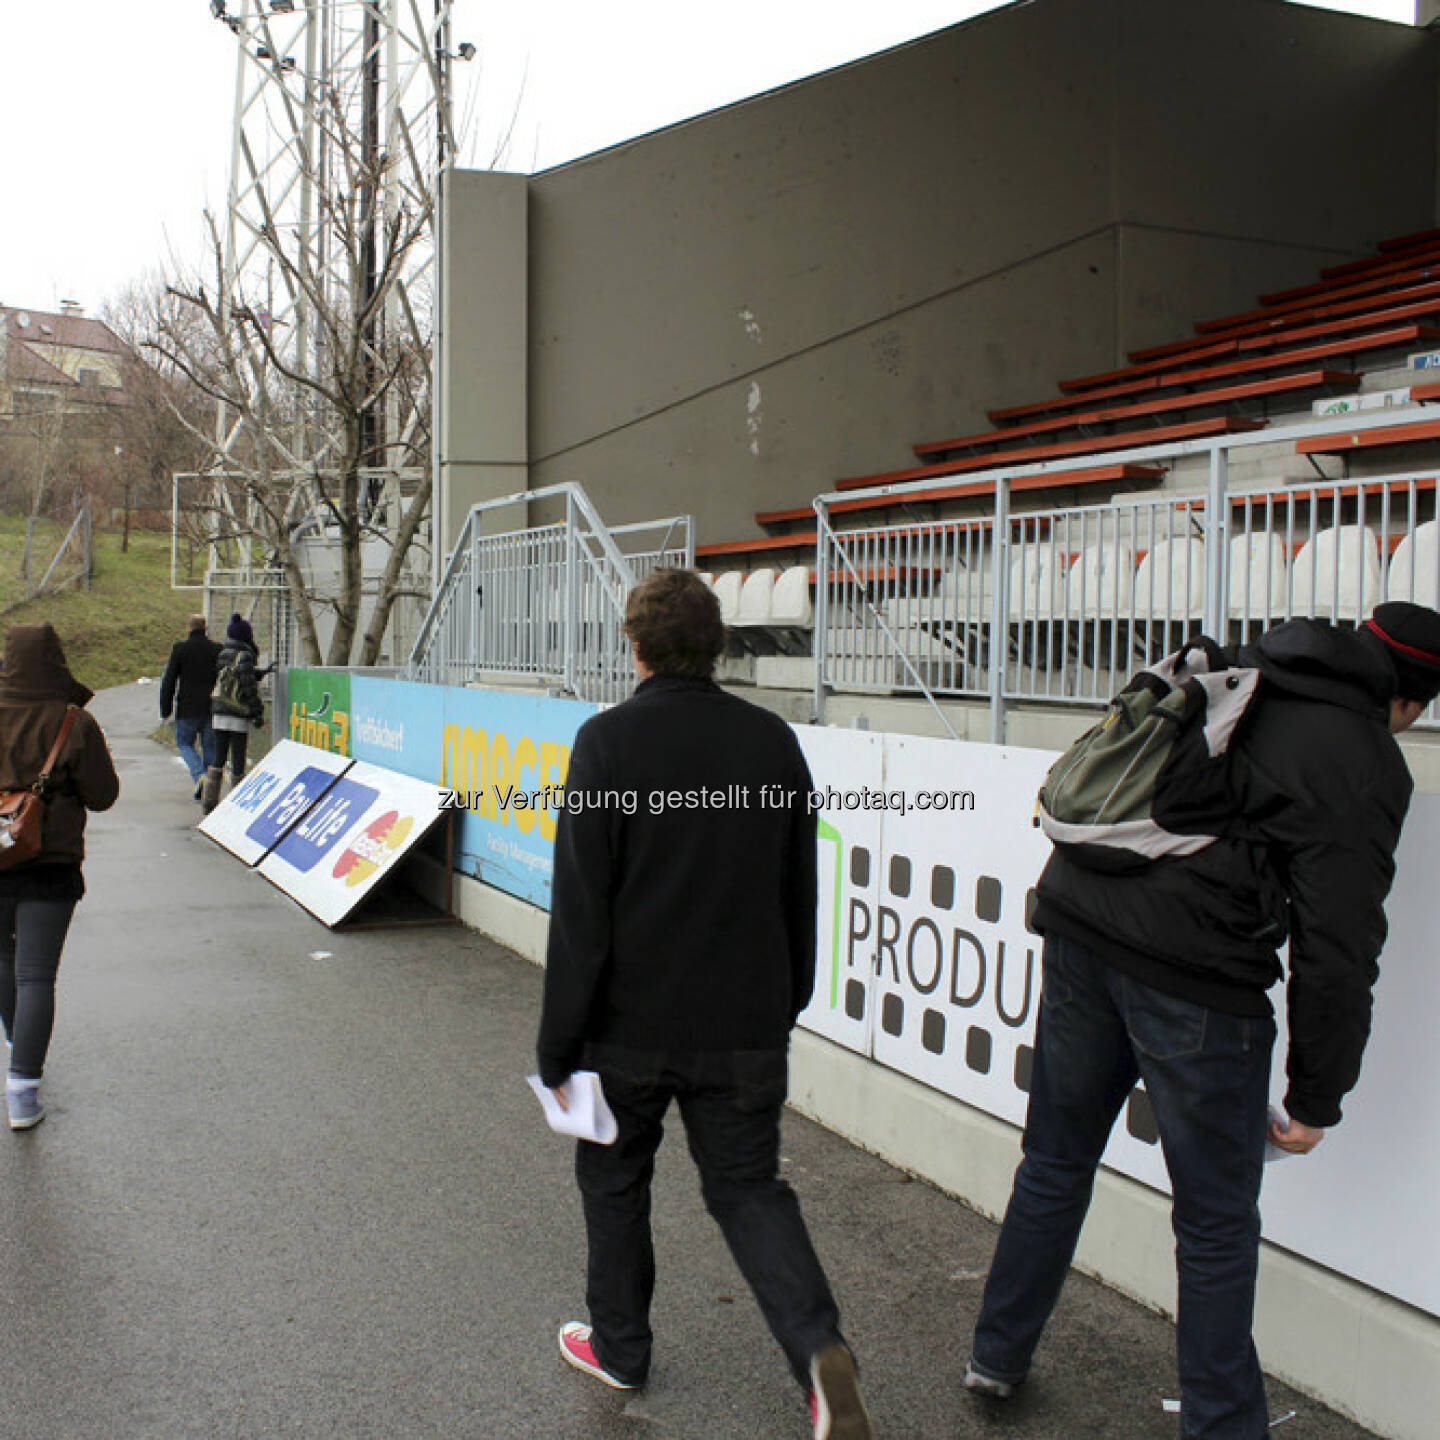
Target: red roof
[39,327]
[26,365]
[28,332]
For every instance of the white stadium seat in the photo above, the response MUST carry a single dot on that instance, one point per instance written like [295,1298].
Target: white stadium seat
[790,602]
[727,592]
[754,606]
[1259,576]
[1337,574]
[1037,582]
[1170,580]
[1413,567]
[1106,575]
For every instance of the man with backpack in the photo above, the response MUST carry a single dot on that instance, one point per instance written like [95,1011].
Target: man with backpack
[185,687]
[1158,972]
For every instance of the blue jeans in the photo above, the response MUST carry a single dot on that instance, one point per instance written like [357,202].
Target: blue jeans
[730,1102]
[1207,1075]
[187,732]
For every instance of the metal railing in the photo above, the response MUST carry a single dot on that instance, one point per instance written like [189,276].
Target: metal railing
[544,605]
[1061,604]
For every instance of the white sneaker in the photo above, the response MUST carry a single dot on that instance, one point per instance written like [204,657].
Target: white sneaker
[26,1110]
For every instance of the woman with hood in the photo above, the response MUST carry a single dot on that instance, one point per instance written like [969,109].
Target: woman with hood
[236,706]
[38,896]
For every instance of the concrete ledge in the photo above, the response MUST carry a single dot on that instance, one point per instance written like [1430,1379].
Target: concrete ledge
[1360,1352]
[519,926]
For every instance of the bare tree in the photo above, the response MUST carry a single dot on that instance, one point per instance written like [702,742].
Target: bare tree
[320,463]
[154,432]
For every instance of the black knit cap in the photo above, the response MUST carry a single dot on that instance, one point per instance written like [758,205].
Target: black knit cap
[1411,634]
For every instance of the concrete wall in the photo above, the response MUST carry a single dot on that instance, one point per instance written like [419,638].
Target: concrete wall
[730,314]
[482,336]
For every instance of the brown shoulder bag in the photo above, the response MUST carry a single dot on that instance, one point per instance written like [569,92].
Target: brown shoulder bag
[22,812]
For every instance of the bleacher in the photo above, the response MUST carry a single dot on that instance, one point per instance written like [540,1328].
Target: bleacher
[1104,532]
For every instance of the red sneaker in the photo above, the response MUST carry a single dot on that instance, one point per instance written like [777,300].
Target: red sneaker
[576,1347]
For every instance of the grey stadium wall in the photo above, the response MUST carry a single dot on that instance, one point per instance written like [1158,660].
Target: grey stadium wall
[729,314]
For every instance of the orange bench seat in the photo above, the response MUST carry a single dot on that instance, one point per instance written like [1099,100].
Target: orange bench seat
[1191,400]
[1299,321]
[1373,285]
[1348,441]
[978,489]
[1130,439]
[1391,339]
[760,543]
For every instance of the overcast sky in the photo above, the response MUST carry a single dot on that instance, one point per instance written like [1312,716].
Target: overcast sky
[116,117]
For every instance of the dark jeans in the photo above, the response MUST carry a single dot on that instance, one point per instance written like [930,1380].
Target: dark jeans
[32,935]
[1207,1075]
[730,1103]
[231,743]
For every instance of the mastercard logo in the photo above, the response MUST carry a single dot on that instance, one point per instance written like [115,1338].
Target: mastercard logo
[373,847]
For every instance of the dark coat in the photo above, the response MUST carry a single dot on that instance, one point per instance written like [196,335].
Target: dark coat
[189,678]
[35,688]
[691,929]
[1320,794]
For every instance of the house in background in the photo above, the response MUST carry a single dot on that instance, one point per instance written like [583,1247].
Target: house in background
[65,362]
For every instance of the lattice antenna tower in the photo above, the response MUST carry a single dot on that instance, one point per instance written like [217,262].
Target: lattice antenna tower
[341,119]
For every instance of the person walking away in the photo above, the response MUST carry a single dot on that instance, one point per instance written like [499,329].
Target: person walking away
[1161,975]
[235,707]
[38,896]
[681,951]
[186,688]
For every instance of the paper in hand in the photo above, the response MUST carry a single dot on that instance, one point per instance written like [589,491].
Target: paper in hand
[1276,1116]
[588,1118]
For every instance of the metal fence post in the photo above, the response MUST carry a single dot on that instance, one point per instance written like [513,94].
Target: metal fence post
[1217,531]
[822,556]
[1000,611]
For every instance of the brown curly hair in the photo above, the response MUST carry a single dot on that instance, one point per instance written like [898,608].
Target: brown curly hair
[672,618]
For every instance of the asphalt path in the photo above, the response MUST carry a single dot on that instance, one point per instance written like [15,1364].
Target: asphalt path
[292,1184]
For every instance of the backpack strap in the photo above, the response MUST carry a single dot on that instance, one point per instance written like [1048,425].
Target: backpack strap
[71,711]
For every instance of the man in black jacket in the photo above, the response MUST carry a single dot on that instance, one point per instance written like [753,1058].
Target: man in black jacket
[681,951]
[1161,976]
[186,685]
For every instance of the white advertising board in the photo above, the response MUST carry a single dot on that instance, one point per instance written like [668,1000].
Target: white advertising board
[1364,1202]
[251,820]
[934,947]
[845,766]
[352,839]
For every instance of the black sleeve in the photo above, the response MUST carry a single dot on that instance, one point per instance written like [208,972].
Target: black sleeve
[250,688]
[799,898]
[1337,861]
[168,682]
[581,901]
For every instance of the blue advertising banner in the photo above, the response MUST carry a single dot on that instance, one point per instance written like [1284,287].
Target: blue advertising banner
[498,758]
[311,840]
[276,793]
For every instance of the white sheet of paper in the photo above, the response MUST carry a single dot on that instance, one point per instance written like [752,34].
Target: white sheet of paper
[588,1118]
[1273,1152]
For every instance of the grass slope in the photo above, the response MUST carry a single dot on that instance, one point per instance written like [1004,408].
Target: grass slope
[118,630]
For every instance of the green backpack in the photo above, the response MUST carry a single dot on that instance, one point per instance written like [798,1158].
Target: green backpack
[1152,779]
[229,689]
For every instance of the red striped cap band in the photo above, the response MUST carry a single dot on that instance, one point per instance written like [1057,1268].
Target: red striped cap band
[1413,651]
